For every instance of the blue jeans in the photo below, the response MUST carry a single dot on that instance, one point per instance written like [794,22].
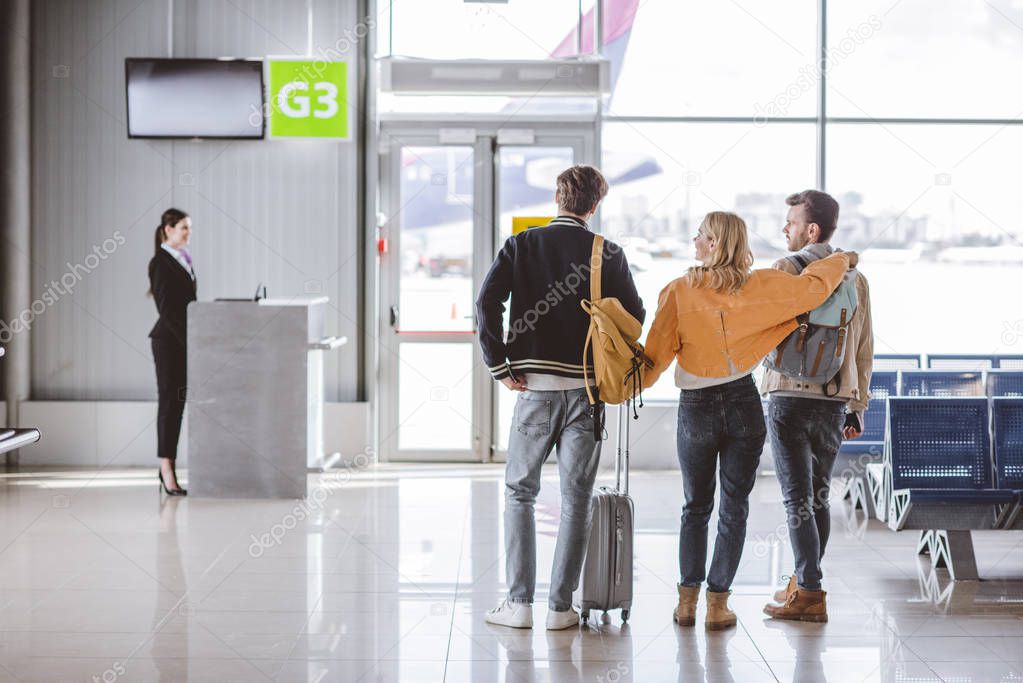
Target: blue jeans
[806,434]
[543,420]
[718,427]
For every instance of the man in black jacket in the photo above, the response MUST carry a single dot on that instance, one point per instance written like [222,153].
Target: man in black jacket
[546,272]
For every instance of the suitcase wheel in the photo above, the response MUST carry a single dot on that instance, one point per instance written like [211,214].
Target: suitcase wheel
[625,615]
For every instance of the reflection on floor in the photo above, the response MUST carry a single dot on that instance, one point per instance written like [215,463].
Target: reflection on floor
[384,575]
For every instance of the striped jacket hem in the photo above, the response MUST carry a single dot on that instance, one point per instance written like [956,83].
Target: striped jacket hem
[537,366]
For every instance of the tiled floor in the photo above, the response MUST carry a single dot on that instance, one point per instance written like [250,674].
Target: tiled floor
[384,575]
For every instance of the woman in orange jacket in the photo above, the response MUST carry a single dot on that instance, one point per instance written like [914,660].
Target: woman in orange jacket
[719,321]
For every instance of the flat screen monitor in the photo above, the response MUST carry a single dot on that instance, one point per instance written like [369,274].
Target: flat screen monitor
[194,98]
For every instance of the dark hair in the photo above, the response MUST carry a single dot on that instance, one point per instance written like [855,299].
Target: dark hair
[820,207]
[580,188]
[170,218]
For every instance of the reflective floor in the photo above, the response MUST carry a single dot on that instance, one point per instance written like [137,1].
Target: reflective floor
[385,575]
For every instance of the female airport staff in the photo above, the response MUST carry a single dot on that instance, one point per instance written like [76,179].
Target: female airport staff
[173,286]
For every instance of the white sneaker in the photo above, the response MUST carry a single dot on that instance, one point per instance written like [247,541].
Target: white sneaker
[513,614]
[560,620]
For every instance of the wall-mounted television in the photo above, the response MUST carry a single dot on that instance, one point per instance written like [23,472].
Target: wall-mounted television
[194,98]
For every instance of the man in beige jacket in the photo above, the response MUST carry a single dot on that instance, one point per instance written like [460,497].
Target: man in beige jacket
[806,427]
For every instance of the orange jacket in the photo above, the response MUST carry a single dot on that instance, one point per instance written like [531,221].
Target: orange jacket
[715,335]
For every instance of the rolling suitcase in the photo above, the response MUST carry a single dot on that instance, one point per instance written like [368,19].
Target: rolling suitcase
[606,581]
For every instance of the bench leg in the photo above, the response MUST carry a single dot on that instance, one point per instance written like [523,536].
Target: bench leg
[861,497]
[1007,516]
[846,489]
[954,550]
[876,491]
[923,546]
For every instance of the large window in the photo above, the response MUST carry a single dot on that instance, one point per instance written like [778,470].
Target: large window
[914,126]
[711,58]
[935,210]
[460,29]
[919,58]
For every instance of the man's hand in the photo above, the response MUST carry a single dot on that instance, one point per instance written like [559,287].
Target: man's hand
[854,258]
[851,433]
[514,384]
[853,428]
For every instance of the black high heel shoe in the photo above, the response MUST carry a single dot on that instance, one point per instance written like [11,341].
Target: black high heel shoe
[171,492]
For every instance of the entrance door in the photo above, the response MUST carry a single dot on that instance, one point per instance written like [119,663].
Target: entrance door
[449,195]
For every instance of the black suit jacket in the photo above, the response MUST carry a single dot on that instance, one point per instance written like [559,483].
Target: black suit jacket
[173,289]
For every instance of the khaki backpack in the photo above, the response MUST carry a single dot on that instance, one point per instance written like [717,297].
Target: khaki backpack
[613,337]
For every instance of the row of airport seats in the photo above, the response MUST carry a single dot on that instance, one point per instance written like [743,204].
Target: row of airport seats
[927,383]
[942,451]
[11,438]
[950,465]
[934,375]
[947,361]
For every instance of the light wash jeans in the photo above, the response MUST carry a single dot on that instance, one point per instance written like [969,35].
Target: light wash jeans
[543,420]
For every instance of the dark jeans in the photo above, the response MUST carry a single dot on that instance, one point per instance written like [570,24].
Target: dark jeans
[720,426]
[805,436]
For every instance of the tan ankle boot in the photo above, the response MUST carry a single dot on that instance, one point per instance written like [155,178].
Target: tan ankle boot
[802,605]
[780,596]
[685,613]
[718,614]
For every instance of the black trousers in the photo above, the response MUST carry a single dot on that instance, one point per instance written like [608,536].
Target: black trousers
[171,387]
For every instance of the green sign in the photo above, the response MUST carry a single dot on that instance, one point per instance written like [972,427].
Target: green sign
[308,99]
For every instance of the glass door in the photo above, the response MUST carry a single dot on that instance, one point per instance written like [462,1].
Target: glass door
[449,197]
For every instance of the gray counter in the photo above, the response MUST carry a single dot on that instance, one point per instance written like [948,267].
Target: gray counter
[255,396]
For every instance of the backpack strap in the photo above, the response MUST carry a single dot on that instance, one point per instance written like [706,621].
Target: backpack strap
[804,326]
[798,261]
[596,260]
[587,306]
[837,379]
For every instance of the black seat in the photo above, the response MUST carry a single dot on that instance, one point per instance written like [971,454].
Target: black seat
[939,472]
[939,455]
[1008,435]
[882,385]
[940,383]
[1005,383]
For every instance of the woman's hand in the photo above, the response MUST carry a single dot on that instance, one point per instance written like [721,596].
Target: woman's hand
[854,258]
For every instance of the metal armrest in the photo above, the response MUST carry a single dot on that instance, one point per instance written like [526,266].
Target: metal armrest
[20,438]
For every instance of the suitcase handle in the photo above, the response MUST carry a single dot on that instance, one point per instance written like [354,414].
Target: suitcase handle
[619,540]
[618,453]
[622,457]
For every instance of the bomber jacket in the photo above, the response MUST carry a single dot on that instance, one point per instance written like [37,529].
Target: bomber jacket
[716,334]
[546,271]
[857,366]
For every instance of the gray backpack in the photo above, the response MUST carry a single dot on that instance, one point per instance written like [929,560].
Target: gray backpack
[815,350]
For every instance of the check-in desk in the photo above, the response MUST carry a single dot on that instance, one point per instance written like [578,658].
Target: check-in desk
[255,396]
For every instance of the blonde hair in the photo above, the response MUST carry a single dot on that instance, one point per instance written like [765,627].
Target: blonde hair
[728,267]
